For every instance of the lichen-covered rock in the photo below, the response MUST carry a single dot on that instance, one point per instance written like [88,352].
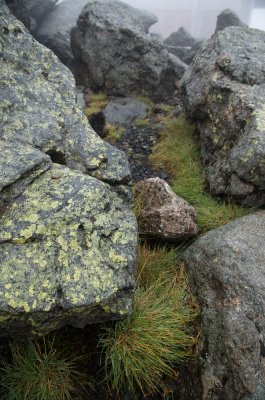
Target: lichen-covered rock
[118,55]
[224,92]
[38,107]
[226,270]
[67,254]
[67,240]
[163,214]
[228,18]
[20,164]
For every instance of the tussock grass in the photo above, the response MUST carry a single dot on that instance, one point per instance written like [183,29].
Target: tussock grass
[151,263]
[177,153]
[144,348]
[37,373]
[96,104]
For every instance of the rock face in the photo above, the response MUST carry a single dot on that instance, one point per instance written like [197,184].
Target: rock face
[162,214]
[224,92]
[67,241]
[118,56]
[54,30]
[226,268]
[124,111]
[228,18]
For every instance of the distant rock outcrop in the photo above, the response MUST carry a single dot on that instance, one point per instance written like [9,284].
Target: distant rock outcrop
[224,93]
[118,56]
[182,45]
[38,9]
[67,238]
[163,214]
[226,270]
[181,38]
[54,30]
[228,18]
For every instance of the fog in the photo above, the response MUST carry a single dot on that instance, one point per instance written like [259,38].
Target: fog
[199,16]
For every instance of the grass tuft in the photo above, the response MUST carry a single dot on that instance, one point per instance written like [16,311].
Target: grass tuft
[96,104]
[144,348]
[146,100]
[37,372]
[151,263]
[177,153]
[142,122]
[114,133]
[167,108]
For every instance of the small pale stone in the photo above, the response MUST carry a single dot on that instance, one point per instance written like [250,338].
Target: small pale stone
[163,214]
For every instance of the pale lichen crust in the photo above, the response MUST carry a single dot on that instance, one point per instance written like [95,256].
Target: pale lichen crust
[67,250]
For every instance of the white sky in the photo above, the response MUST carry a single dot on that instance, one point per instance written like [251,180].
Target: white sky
[171,21]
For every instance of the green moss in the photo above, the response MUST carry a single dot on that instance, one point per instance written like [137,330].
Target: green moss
[177,153]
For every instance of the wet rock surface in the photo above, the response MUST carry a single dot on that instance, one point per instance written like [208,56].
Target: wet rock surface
[224,93]
[163,215]
[226,268]
[124,111]
[67,240]
[125,60]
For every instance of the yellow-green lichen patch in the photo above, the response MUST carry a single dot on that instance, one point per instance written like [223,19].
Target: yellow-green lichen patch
[68,242]
[259,113]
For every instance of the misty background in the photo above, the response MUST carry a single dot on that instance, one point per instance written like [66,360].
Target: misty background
[199,16]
